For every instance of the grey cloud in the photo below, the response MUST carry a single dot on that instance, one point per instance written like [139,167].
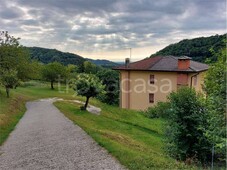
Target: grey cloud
[9,12]
[109,24]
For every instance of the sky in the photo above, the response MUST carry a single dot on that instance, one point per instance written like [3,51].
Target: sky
[108,29]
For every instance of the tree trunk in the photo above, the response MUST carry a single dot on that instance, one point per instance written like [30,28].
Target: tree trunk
[52,85]
[7,91]
[86,103]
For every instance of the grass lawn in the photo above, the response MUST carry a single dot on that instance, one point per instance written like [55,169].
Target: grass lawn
[136,141]
[13,108]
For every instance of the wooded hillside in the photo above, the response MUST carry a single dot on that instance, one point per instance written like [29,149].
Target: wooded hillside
[199,49]
[46,56]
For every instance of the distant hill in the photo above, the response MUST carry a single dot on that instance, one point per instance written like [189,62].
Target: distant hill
[46,56]
[104,63]
[198,48]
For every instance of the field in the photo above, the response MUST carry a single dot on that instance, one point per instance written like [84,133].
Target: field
[136,141]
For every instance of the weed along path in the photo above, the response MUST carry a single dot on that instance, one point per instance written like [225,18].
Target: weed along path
[45,139]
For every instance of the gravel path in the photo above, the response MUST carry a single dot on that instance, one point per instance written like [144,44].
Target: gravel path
[45,139]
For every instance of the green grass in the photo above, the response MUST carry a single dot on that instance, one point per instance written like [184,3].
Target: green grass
[13,108]
[136,141]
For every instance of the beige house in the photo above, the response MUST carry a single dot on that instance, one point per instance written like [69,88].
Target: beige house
[146,82]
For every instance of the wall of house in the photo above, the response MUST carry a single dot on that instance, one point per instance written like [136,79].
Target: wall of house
[124,87]
[197,82]
[135,87]
[139,88]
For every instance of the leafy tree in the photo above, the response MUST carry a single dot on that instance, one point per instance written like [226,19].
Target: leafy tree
[9,79]
[35,70]
[71,70]
[186,126]
[110,79]
[88,85]
[12,58]
[89,67]
[53,72]
[215,88]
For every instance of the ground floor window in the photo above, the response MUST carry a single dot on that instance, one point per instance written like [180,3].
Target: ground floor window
[151,98]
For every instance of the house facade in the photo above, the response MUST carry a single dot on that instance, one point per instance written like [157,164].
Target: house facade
[146,82]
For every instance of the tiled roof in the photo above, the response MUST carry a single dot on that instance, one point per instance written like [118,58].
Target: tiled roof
[163,63]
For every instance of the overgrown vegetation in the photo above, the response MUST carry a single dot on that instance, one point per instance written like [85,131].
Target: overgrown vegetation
[160,110]
[197,125]
[187,124]
[215,88]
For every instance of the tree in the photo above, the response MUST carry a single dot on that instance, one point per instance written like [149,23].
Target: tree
[87,85]
[215,88]
[186,126]
[14,61]
[35,70]
[53,72]
[110,79]
[9,80]
[89,67]
[71,70]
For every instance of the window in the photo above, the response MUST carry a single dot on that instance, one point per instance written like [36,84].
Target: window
[182,79]
[151,79]
[151,98]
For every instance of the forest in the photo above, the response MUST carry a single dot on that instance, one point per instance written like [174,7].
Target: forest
[199,49]
[45,55]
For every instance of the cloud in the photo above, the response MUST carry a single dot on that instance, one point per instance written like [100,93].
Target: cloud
[102,25]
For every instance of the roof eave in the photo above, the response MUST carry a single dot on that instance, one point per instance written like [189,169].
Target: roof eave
[187,71]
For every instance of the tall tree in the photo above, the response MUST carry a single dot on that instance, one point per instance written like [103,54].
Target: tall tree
[53,72]
[215,88]
[186,126]
[89,67]
[110,79]
[13,60]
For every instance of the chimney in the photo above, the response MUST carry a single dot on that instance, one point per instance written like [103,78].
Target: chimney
[183,62]
[127,62]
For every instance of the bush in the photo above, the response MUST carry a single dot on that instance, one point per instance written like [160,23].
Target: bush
[160,110]
[187,124]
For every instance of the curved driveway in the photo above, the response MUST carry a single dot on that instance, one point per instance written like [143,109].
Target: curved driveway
[45,139]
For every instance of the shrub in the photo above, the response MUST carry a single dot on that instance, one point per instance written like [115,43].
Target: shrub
[160,110]
[187,123]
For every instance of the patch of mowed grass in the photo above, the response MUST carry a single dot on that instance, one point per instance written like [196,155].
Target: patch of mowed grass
[136,141]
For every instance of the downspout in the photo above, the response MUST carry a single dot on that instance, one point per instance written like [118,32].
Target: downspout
[128,97]
[191,79]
